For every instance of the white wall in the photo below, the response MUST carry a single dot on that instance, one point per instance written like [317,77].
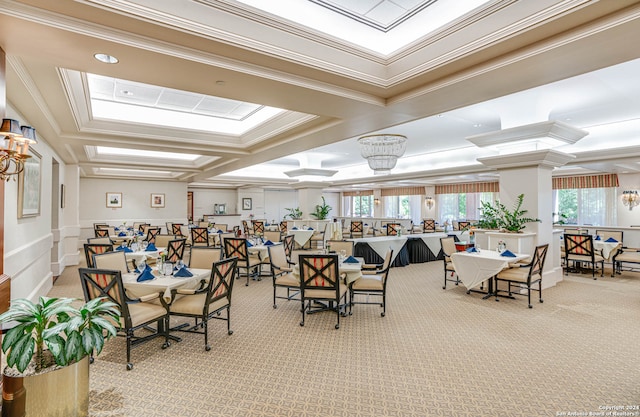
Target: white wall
[204,200]
[277,201]
[626,217]
[136,203]
[33,245]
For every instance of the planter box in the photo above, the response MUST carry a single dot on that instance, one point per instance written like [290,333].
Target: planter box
[60,393]
[516,242]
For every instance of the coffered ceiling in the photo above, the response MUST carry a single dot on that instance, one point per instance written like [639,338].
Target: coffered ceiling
[235,93]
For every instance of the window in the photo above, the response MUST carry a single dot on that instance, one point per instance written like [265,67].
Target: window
[586,206]
[403,207]
[358,206]
[462,206]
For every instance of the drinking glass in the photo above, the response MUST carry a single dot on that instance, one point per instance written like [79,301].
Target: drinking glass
[142,265]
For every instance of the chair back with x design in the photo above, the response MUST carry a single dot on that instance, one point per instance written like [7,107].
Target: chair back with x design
[199,236]
[393,229]
[222,277]
[319,272]
[176,229]
[91,249]
[102,232]
[258,227]
[152,232]
[288,242]
[236,246]
[106,283]
[428,225]
[578,244]
[356,227]
[175,250]
[537,263]
[283,227]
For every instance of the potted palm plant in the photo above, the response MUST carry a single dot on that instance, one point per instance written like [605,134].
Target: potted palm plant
[48,349]
[498,216]
[322,210]
[294,213]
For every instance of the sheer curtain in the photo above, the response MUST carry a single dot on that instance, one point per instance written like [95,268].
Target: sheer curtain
[597,206]
[347,206]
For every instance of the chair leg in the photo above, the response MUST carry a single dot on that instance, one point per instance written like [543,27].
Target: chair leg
[540,291]
[205,328]
[302,300]
[274,297]
[384,304]
[129,337]
[529,296]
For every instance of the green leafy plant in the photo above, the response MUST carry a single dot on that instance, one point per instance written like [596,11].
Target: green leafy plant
[498,216]
[294,213]
[322,210]
[69,333]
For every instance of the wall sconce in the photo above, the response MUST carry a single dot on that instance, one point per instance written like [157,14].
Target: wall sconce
[376,201]
[15,147]
[630,198]
[430,202]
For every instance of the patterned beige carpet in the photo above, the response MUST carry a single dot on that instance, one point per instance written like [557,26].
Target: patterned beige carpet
[436,353]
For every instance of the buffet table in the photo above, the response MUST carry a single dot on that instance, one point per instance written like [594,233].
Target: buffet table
[374,249]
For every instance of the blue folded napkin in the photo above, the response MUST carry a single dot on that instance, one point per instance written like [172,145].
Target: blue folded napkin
[268,243]
[472,249]
[182,272]
[146,275]
[294,228]
[508,253]
[598,237]
[350,260]
[611,240]
[151,247]
[124,249]
[249,244]
[122,234]
[311,228]
[220,231]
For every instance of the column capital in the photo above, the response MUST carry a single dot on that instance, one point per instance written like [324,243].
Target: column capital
[543,158]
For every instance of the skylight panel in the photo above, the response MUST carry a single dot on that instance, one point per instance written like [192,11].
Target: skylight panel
[105,150]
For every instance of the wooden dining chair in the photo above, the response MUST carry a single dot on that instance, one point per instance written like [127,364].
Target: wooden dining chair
[101,232]
[428,226]
[199,236]
[91,249]
[176,229]
[135,313]
[356,228]
[579,250]
[448,246]
[320,281]
[152,232]
[203,257]
[258,227]
[206,304]
[111,260]
[248,265]
[393,229]
[372,283]
[175,250]
[282,274]
[283,228]
[245,229]
[463,225]
[524,275]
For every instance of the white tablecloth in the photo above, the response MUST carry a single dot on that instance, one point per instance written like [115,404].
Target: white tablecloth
[143,255]
[476,267]
[301,237]
[261,250]
[162,283]
[608,248]
[381,244]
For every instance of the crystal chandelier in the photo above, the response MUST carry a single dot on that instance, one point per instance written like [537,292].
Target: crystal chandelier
[382,151]
[630,198]
[15,149]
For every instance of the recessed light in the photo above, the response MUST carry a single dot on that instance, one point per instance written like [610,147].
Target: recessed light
[127,92]
[220,82]
[107,59]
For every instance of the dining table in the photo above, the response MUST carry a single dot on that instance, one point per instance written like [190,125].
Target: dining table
[301,236]
[352,270]
[142,255]
[608,249]
[374,249]
[162,283]
[474,268]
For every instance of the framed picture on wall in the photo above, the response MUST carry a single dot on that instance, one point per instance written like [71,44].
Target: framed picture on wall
[114,200]
[157,200]
[246,204]
[29,182]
